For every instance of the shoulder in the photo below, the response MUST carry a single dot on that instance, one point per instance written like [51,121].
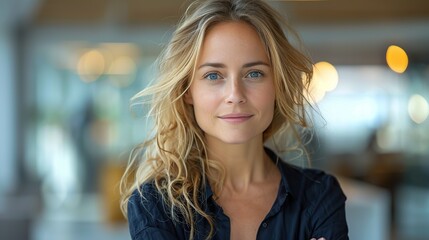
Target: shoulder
[146,210]
[314,177]
[322,199]
[304,181]
[312,183]
[318,199]
[145,199]
[320,195]
[146,194]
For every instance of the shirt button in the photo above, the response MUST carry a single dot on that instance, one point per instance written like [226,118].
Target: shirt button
[264,225]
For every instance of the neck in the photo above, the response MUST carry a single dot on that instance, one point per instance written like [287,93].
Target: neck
[244,164]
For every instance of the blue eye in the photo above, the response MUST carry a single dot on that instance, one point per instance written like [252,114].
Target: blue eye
[255,74]
[212,76]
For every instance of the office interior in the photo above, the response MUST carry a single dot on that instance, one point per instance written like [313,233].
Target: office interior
[68,69]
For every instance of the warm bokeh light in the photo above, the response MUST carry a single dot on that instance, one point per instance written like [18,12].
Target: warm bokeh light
[418,108]
[91,65]
[325,79]
[326,75]
[397,59]
[122,71]
[315,93]
[122,66]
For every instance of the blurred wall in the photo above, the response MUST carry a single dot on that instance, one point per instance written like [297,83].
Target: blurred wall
[8,110]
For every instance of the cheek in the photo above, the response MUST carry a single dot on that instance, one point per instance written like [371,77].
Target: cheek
[269,110]
[266,102]
[266,98]
[204,98]
[203,104]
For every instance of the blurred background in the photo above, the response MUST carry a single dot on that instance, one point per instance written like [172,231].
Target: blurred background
[68,69]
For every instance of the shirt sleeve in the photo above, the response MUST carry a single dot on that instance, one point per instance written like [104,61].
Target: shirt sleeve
[328,218]
[147,217]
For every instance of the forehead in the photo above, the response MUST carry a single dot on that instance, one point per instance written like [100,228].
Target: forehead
[234,40]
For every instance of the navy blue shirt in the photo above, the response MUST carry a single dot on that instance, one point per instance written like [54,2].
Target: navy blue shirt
[309,203]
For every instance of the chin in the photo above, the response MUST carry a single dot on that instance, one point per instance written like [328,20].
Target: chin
[237,140]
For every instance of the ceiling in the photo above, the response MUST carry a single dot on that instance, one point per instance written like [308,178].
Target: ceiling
[344,32]
[168,11]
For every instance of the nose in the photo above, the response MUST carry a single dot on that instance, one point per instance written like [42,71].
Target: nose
[235,92]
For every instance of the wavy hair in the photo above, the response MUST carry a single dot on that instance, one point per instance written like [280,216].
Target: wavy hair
[175,158]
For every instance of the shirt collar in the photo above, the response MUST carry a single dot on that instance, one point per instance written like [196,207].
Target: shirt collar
[289,175]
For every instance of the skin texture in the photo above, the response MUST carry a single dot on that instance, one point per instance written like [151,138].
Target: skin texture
[233,77]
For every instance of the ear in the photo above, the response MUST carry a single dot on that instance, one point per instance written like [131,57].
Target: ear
[188,98]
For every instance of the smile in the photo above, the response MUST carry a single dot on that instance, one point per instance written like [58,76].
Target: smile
[236,117]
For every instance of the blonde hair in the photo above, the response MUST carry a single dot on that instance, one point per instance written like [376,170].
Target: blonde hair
[175,159]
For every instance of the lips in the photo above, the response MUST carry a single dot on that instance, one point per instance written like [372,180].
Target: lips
[236,117]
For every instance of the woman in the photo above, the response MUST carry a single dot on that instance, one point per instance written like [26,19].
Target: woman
[229,80]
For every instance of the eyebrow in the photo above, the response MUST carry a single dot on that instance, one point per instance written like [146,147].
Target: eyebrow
[251,64]
[221,65]
[215,65]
